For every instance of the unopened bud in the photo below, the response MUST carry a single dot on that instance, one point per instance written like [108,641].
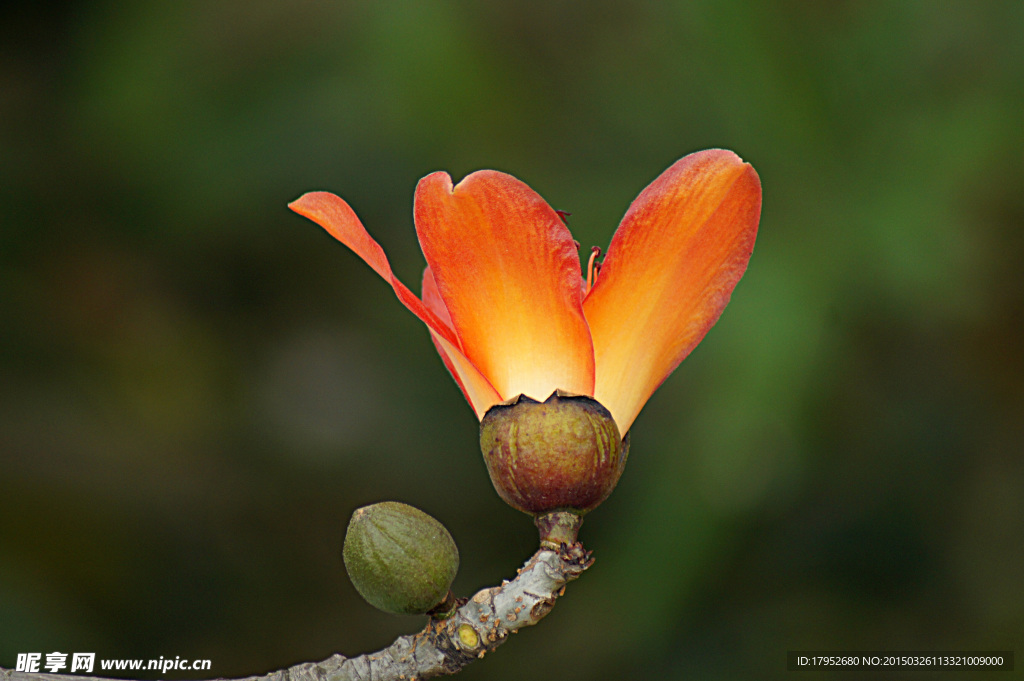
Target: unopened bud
[400,559]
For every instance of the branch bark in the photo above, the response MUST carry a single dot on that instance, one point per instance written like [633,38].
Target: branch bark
[479,625]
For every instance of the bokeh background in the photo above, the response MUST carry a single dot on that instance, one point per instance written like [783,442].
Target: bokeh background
[198,387]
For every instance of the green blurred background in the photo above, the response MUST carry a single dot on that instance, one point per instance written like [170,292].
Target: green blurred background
[197,387]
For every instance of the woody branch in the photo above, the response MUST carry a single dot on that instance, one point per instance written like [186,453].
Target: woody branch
[479,626]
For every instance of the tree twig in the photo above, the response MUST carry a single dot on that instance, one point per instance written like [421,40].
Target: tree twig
[481,624]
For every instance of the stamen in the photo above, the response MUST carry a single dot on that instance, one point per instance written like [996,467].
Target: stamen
[564,215]
[593,268]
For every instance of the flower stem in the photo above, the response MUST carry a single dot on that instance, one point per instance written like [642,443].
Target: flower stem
[557,528]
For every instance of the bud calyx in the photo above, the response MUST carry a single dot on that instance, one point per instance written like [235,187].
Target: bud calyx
[563,454]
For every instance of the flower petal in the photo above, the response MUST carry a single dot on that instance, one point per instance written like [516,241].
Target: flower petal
[508,272]
[671,268]
[340,221]
[478,391]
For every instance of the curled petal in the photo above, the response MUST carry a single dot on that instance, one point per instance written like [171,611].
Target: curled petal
[507,271]
[671,268]
[480,394]
[340,221]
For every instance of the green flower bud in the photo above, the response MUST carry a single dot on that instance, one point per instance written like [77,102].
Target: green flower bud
[563,454]
[400,559]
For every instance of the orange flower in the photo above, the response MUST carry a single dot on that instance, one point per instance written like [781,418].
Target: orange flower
[504,297]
